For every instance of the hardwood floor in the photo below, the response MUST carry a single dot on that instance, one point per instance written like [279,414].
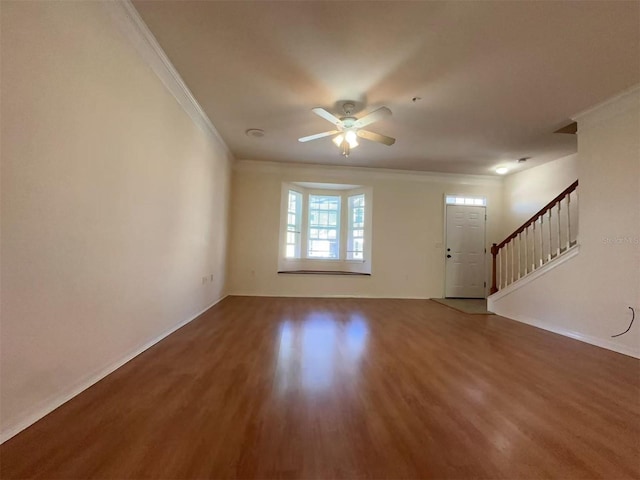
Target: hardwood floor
[347,388]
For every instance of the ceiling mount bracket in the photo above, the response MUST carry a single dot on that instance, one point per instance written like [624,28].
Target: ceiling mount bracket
[348,108]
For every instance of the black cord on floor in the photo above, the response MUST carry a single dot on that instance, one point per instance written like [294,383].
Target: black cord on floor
[633,316]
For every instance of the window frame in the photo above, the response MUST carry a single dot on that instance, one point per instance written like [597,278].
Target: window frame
[306,226]
[465,200]
[298,224]
[342,263]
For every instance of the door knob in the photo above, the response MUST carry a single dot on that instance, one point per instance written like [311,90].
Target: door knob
[448,256]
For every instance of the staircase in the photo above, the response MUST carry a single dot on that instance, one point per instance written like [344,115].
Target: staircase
[547,235]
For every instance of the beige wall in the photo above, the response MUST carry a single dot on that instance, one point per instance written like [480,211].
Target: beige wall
[408,230]
[588,296]
[114,205]
[525,193]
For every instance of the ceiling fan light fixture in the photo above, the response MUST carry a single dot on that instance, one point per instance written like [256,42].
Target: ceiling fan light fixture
[345,148]
[349,138]
[501,170]
[352,138]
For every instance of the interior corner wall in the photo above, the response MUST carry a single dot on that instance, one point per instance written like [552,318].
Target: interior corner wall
[408,231]
[526,192]
[114,206]
[588,297]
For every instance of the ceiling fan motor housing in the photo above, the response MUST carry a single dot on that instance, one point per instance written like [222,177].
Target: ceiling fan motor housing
[348,123]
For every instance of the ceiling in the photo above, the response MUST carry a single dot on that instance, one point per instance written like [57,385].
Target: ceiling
[494,79]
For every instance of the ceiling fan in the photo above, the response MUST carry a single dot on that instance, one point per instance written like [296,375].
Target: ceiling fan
[348,128]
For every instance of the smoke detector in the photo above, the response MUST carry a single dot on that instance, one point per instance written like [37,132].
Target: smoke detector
[255,133]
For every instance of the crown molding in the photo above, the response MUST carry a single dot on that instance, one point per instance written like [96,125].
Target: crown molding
[351,174]
[136,31]
[617,105]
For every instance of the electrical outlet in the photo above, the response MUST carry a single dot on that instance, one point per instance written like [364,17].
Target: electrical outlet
[211,277]
[204,280]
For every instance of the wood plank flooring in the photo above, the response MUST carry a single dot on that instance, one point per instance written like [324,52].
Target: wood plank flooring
[347,388]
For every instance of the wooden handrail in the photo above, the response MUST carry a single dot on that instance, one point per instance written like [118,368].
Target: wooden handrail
[541,212]
[495,248]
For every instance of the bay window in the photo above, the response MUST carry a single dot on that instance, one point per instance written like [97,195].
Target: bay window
[325,228]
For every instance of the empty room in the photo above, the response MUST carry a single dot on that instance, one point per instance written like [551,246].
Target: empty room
[319,239]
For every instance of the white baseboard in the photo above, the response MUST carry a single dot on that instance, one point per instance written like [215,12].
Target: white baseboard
[598,342]
[296,295]
[54,402]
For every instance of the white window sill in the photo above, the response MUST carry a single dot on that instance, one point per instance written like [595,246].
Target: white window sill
[321,272]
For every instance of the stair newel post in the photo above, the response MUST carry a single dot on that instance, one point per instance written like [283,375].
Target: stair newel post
[494,254]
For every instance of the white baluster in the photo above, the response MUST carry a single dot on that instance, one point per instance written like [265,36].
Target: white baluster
[519,253]
[550,238]
[513,260]
[526,248]
[505,257]
[506,264]
[502,270]
[559,229]
[533,246]
[498,271]
[568,221]
[542,240]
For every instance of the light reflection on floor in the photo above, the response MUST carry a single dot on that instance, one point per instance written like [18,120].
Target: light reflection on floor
[319,350]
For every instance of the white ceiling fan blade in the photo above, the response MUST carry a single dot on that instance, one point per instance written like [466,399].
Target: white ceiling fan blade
[321,112]
[376,137]
[318,135]
[374,116]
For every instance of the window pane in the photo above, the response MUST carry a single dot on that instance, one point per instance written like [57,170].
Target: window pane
[462,200]
[355,246]
[294,218]
[324,222]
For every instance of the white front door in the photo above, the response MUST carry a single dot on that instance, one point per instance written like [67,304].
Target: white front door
[464,251]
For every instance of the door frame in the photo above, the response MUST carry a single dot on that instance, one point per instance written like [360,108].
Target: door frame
[444,244]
